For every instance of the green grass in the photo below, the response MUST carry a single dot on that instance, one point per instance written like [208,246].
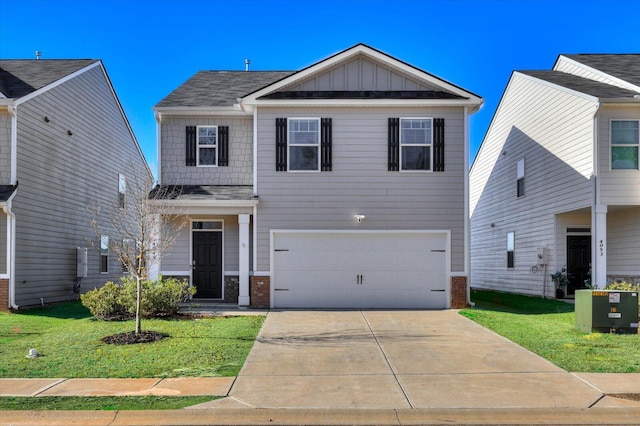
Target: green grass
[102,402]
[547,328]
[70,341]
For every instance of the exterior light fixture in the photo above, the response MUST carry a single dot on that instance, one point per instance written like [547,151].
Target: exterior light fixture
[360,217]
[46,119]
[69,132]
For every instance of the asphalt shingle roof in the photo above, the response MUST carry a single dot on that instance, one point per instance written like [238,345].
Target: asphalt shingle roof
[202,192]
[6,191]
[623,66]
[220,88]
[19,77]
[583,85]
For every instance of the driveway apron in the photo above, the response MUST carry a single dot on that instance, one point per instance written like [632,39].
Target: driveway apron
[395,359]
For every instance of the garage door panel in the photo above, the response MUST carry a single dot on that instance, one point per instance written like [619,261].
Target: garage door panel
[360,270]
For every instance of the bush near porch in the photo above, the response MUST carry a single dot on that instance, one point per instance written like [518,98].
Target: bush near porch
[547,328]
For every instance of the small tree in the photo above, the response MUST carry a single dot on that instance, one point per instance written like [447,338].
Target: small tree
[142,229]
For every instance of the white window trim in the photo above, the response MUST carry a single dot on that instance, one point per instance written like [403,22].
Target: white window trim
[612,145]
[289,144]
[198,146]
[104,238]
[420,145]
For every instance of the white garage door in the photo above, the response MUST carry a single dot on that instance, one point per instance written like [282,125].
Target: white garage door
[360,269]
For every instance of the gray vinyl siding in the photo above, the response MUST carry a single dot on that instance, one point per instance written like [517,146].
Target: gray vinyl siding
[240,168]
[361,74]
[178,258]
[617,187]
[60,178]
[5,148]
[552,130]
[623,240]
[360,182]
[3,243]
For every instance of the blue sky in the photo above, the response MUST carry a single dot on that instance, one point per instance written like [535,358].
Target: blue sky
[149,47]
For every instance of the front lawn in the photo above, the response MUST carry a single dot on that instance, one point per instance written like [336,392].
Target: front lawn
[546,327]
[70,341]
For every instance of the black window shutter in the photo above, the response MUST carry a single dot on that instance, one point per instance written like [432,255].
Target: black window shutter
[325,145]
[223,145]
[394,145]
[281,144]
[190,146]
[438,144]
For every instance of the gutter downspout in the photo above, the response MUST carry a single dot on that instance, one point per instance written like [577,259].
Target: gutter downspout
[595,199]
[158,118]
[467,219]
[11,217]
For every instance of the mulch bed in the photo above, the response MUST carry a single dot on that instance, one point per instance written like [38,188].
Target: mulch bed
[132,338]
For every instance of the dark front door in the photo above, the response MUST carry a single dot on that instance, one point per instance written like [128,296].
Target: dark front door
[207,264]
[578,261]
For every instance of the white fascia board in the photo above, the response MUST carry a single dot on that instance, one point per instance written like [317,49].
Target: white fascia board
[620,82]
[57,83]
[201,111]
[557,87]
[349,53]
[369,103]
[6,102]
[207,203]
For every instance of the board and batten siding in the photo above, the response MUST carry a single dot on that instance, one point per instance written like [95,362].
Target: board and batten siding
[623,241]
[552,131]
[61,176]
[178,258]
[173,140]
[617,187]
[359,182]
[5,148]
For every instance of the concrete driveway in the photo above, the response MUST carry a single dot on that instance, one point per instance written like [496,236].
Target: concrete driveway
[395,359]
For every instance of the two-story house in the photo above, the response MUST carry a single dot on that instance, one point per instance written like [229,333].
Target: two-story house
[556,182]
[65,146]
[341,185]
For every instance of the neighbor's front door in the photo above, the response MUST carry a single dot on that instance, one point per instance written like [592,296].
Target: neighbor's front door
[578,261]
[207,264]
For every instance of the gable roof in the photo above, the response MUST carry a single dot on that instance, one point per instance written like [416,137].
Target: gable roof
[623,66]
[219,88]
[20,77]
[583,85]
[6,191]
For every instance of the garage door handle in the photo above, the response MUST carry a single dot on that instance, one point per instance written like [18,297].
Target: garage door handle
[359,279]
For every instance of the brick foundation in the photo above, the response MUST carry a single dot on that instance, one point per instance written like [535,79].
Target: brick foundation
[4,295]
[231,288]
[259,290]
[458,292]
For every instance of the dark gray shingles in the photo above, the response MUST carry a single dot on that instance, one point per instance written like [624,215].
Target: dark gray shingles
[220,88]
[6,191]
[623,66]
[583,85]
[203,192]
[19,77]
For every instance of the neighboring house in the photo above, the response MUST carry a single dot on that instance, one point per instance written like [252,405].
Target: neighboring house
[556,182]
[65,146]
[342,185]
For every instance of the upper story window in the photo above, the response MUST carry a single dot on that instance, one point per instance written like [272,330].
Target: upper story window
[304,144]
[625,141]
[122,190]
[416,137]
[207,146]
[520,179]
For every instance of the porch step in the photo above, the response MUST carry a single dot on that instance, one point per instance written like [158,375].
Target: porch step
[216,308]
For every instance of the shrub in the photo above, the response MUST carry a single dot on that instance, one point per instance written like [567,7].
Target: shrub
[160,298]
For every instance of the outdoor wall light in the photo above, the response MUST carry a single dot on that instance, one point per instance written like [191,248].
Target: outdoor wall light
[69,132]
[360,217]
[46,119]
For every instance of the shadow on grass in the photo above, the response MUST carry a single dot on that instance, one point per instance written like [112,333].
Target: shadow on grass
[65,310]
[518,304]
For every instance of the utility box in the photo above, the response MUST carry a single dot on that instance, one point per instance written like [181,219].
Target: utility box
[81,262]
[607,311]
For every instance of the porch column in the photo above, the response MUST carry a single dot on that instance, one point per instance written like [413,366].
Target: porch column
[243,256]
[599,261]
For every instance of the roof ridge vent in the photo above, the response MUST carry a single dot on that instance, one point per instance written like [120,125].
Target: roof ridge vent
[246,64]
[38,54]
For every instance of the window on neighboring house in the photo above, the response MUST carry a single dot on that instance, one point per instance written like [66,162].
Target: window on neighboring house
[520,179]
[122,190]
[304,144]
[415,143]
[207,146]
[511,242]
[625,142]
[104,254]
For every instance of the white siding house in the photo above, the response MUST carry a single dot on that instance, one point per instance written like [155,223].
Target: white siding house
[354,195]
[550,174]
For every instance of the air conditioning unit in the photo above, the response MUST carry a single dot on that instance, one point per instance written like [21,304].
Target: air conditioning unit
[82,262]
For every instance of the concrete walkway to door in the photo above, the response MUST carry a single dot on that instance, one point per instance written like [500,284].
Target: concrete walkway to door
[395,359]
